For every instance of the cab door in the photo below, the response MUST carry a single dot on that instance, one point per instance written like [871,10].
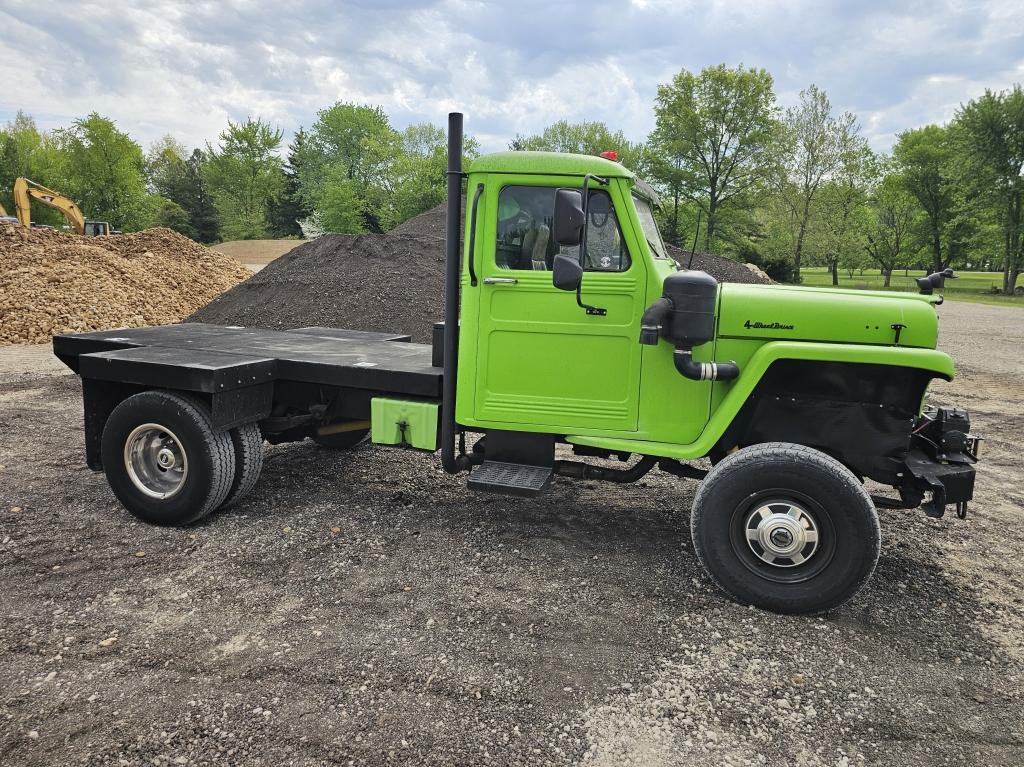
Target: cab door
[542,361]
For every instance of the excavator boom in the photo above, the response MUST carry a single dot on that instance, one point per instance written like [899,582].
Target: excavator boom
[26,190]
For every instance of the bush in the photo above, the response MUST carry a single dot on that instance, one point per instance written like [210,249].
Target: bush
[779,268]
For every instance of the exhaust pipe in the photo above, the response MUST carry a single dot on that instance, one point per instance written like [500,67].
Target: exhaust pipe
[449,461]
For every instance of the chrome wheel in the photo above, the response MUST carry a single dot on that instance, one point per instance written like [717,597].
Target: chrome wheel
[155,460]
[782,533]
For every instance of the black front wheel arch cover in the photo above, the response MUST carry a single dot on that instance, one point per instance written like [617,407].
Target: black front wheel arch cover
[852,538]
[210,454]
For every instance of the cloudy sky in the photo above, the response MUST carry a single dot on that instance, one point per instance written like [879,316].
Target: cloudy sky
[185,68]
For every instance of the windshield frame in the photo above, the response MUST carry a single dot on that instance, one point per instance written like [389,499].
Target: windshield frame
[655,243]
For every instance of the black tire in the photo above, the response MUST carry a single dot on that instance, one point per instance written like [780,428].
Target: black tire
[764,501]
[248,443]
[203,458]
[343,440]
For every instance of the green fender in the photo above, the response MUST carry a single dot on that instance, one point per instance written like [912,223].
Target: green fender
[931,360]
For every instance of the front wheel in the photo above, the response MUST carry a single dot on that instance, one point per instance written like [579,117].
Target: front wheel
[785,528]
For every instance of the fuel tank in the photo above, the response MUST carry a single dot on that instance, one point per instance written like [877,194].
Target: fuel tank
[774,312]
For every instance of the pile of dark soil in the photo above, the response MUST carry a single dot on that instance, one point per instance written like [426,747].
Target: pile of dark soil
[389,282]
[721,268]
[429,224]
[386,282]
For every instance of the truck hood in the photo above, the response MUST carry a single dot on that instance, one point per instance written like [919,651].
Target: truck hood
[775,312]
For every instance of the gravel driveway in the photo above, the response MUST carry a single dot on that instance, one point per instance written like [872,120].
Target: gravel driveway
[365,608]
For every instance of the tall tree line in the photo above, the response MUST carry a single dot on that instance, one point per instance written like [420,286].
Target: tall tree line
[784,188]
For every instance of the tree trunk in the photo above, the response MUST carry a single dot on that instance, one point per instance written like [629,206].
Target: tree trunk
[834,264]
[888,276]
[1011,267]
[674,237]
[936,251]
[800,239]
[709,228]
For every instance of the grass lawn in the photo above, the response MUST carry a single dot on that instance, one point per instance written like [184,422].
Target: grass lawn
[969,286]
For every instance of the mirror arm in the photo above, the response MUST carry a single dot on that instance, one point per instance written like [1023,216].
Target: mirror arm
[593,310]
[471,254]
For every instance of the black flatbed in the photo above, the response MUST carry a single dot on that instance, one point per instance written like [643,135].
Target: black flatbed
[218,358]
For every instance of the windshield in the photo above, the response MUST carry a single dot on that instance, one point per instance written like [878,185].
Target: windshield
[657,245]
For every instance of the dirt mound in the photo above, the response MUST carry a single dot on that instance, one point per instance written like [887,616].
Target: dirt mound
[432,223]
[52,282]
[721,268]
[387,282]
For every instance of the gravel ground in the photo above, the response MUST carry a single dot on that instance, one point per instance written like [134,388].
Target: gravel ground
[364,608]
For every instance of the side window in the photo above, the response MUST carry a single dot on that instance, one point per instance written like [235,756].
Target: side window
[525,215]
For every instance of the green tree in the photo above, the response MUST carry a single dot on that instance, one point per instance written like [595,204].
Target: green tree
[25,151]
[715,139]
[103,172]
[245,177]
[196,198]
[581,138]
[291,207]
[165,162]
[989,131]
[170,214]
[841,207]
[816,144]
[177,176]
[926,159]
[890,223]
[415,180]
[353,145]
[341,205]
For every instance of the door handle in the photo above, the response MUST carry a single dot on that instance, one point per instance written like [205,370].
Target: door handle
[500,280]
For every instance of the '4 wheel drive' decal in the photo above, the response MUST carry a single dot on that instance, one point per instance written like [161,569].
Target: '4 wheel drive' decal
[766,325]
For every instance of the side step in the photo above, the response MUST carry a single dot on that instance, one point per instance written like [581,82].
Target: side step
[519,479]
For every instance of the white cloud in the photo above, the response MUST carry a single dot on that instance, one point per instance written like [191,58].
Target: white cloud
[185,68]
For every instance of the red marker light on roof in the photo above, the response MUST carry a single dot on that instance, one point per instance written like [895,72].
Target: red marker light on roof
[611,154]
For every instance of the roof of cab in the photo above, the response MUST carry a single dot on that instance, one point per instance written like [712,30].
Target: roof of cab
[548,164]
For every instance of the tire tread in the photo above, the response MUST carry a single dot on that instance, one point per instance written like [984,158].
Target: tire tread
[248,445]
[784,454]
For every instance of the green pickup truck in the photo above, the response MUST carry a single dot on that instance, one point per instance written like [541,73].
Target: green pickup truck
[572,345]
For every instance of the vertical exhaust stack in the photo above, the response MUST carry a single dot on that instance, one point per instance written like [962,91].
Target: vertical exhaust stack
[449,461]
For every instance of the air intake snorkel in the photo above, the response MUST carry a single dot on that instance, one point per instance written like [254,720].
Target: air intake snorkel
[685,317]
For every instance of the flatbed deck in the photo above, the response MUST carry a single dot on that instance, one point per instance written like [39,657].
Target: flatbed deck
[216,358]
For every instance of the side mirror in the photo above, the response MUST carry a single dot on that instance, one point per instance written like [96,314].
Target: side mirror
[568,223]
[566,272]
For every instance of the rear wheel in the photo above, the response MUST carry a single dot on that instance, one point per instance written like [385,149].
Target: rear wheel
[164,460]
[786,528]
[248,444]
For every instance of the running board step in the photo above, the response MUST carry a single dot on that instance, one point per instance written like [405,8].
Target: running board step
[510,478]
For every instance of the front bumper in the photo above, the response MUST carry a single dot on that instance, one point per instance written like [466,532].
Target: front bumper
[940,463]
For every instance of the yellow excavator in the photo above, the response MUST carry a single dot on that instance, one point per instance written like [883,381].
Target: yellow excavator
[26,190]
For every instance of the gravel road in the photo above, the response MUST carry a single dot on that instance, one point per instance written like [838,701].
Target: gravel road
[364,608]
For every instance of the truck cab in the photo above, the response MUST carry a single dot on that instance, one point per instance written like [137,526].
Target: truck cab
[534,357]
